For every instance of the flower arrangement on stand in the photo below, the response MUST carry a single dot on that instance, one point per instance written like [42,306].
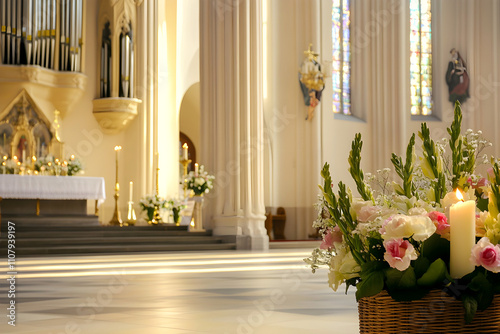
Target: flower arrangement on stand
[415,236]
[199,182]
[152,203]
[176,206]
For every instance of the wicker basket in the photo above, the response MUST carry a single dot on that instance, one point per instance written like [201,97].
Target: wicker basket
[435,313]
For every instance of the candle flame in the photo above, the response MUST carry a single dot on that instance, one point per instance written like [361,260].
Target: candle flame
[459,195]
[185,145]
[117,148]
[33,158]
[5,157]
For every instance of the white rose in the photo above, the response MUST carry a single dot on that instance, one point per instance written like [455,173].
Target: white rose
[422,227]
[342,266]
[402,226]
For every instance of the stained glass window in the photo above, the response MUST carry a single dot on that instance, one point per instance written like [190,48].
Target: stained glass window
[341,60]
[420,57]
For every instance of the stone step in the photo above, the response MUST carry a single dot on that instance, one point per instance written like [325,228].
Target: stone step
[102,234]
[23,220]
[113,249]
[22,242]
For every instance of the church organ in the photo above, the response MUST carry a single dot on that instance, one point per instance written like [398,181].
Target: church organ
[47,33]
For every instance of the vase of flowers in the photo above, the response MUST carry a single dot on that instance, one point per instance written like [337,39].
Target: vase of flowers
[152,204]
[176,206]
[397,244]
[199,182]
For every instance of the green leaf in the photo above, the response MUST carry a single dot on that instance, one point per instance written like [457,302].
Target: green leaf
[369,286]
[436,274]
[421,264]
[484,291]
[396,279]
[470,306]
[436,247]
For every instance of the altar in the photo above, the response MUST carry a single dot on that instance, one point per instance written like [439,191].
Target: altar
[38,195]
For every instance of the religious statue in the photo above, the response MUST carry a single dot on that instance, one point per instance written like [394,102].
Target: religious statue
[312,82]
[457,78]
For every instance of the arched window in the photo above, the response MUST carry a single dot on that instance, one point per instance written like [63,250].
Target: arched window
[420,57]
[341,60]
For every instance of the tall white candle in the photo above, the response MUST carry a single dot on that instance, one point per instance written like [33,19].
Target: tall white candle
[185,151]
[131,191]
[196,169]
[24,156]
[462,237]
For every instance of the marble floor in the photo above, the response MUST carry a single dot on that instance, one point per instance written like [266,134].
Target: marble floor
[222,292]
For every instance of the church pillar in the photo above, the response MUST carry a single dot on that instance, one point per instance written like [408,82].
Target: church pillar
[232,118]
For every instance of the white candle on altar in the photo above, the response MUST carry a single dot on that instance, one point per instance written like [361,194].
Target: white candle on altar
[462,236]
[185,151]
[157,160]
[196,169]
[131,191]
[24,156]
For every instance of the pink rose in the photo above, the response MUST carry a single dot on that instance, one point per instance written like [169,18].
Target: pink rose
[485,254]
[442,227]
[330,237]
[399,253]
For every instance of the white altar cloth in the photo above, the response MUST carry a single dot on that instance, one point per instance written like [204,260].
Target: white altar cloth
[52,187]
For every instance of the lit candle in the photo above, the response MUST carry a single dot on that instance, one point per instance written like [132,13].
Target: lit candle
[196,169]
[72,157]
[185,151]
[131,191]
[24,156]
[3,164]
[462,236]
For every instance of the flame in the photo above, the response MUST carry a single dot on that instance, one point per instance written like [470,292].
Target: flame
[459,195]
[185,145]
[117,148]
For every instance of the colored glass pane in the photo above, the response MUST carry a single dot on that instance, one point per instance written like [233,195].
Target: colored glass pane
[341,56]
[420,57]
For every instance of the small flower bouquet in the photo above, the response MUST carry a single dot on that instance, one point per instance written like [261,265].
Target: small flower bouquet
[176,206]
[151,202]
[403,237]
[200,182]
[74,166]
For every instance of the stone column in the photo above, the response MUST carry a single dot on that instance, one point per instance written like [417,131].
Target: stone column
[232,118]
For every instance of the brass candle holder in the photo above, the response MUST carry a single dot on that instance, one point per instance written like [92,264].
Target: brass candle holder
[185,163]
[131,217]
[116,220]
[156,214]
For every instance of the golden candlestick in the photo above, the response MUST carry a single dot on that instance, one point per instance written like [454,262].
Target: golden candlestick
[117,220]
[185,163]
[131,217]
[156,215]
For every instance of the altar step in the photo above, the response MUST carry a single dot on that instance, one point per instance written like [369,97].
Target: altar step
[55,237]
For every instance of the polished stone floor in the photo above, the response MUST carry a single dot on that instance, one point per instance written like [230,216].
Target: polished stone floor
[206,292]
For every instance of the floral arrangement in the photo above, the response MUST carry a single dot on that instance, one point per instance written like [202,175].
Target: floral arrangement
[149,202]
[200,182]
[49,166]
[9,166]
[176,206]
[74,166]
[396,236]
